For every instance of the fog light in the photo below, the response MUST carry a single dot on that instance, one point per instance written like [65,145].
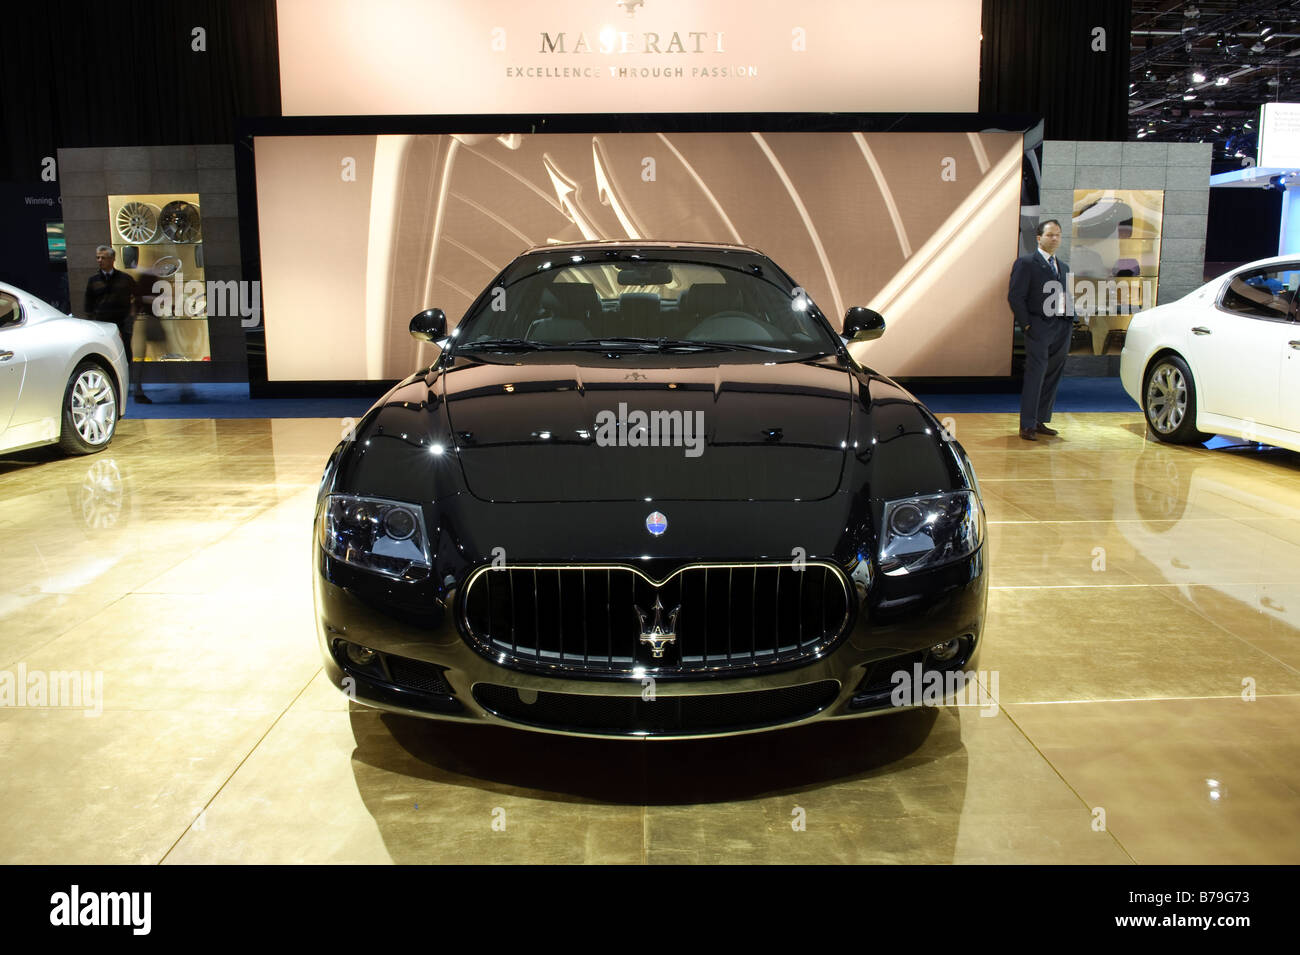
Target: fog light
[361,656]
[943,652]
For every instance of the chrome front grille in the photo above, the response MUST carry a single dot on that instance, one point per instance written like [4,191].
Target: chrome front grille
[613,619]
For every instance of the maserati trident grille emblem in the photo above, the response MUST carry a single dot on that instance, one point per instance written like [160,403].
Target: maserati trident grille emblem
[657,637]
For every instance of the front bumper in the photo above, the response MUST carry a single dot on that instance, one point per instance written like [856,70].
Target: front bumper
[424,667]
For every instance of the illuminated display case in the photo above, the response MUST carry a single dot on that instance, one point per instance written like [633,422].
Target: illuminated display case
[158,239]
[1115,263]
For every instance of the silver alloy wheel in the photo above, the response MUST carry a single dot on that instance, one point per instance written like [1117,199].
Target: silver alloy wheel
[137,222]
[94,407]
[1166,398]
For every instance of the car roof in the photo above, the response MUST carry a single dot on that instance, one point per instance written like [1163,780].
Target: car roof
[619,244]
[22,293]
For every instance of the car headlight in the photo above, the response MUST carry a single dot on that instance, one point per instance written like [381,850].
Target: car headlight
[384,537]
[924,532]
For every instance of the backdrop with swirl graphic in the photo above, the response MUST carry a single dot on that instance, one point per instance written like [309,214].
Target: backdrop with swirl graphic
[358,233]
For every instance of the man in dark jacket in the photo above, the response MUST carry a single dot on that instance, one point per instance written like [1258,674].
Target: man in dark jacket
[1039,297]
[111,297]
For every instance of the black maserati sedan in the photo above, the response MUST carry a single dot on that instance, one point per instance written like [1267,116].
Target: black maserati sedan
[645,491]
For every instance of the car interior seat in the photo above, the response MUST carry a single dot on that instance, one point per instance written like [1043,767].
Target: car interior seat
[703,300]
[574,313]
[639,315]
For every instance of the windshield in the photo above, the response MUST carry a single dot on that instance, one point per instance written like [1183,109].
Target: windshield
[646,302]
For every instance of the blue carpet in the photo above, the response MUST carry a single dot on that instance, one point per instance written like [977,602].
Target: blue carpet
[1075,395]
[232,401]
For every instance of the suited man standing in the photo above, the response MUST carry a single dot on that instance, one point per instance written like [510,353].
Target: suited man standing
[111,297]
[1038,297]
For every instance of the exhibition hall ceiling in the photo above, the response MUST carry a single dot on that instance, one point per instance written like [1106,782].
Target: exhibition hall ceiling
[1201,68]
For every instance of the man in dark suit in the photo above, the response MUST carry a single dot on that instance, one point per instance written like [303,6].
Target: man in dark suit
[1040,300]
[111,297]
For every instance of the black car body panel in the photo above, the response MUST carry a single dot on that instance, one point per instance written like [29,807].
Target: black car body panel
[773,432]
[524,510]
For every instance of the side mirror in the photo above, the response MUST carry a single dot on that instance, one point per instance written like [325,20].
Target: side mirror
[863,325]
[429,326]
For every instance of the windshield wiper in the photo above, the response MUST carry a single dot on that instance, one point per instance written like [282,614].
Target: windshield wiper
[749,346]
[643,344]
[503,344]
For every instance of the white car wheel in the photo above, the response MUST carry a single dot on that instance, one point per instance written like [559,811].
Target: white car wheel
[1169,400]
[89,410]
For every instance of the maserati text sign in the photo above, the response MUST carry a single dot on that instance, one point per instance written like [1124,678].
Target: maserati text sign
[649,56]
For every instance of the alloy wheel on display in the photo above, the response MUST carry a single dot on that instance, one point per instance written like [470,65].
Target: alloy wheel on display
[179,222]
[137,222]
[1166,399]
[94,407]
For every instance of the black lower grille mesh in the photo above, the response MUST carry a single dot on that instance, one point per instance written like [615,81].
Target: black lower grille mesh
[418,675]
[677,715]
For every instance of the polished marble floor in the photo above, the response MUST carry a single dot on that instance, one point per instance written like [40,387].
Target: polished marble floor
[1144,630]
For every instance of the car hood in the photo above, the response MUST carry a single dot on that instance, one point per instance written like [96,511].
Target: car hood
[533,431]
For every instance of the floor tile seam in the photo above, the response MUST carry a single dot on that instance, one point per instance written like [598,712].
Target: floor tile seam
[202,711]
[1108,586]
[1151,699]
[1126,577]
[1065,782]
[1272,520]
[194,489]
[239,525]
[252,749]
[1236,636]
[1128,520]
[62,633]
[1054,478]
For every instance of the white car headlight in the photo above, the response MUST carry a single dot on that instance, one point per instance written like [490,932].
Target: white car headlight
[920,533]
[381,536]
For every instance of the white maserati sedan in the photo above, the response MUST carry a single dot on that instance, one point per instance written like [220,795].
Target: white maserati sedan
[1224,359]
[62,379]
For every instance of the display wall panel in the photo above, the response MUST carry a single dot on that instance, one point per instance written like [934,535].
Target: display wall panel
[1114,264]
[158,241]
[357,233]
